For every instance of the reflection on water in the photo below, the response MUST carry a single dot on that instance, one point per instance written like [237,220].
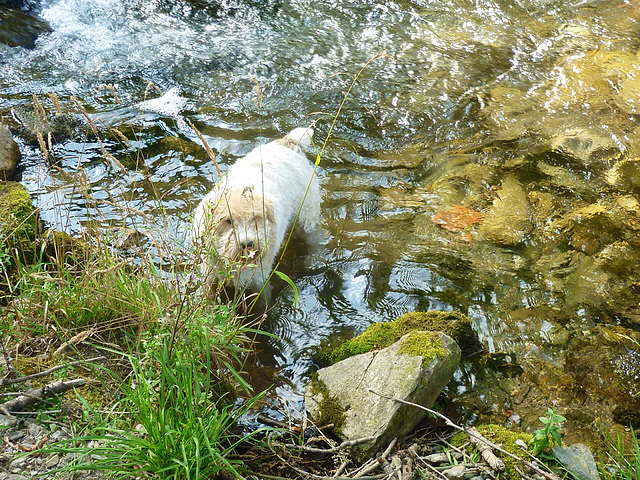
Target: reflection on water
[525,111]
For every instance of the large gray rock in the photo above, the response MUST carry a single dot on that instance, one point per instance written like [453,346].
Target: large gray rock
[415,368]
[9,153]
[578,459]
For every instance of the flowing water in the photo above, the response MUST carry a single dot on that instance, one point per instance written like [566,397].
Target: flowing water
[525,110]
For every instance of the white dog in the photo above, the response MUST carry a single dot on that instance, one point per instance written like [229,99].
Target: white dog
[241,224]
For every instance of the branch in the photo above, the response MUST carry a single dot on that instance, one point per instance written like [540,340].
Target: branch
[39,394]
[548,475]
[346,443]
[486,452]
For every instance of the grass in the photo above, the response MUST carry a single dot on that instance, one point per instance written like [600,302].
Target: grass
[167,400]
[173,380]
[178,424]
[622,461]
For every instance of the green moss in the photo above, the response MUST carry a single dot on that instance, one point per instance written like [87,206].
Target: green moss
[425,344]
[18,225]
[381,335]
[329,410]
[64,250]
[507,438]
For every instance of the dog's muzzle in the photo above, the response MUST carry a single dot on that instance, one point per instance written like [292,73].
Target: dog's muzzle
[249,251]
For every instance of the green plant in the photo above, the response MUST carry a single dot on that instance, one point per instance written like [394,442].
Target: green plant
[622,462]
[549,435]
[178,421]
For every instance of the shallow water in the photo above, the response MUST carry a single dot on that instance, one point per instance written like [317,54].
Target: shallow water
[454,102]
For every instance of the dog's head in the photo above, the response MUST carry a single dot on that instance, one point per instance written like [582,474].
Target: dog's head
[239,225]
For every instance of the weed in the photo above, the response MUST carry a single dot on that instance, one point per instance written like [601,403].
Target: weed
[549,435]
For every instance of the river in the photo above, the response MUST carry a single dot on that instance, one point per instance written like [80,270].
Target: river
[526,111]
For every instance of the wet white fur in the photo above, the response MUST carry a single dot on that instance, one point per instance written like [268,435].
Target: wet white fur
[258,200]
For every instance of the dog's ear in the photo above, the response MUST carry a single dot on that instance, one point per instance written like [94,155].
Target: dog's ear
[269,211]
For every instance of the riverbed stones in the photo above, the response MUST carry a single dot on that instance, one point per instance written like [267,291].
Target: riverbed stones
[415,369]
[625,174]
[44,124]
[9,153]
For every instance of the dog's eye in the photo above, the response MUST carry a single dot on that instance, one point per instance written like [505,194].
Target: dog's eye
[227,221]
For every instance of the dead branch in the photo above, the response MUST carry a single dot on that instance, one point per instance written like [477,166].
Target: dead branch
[345,444]
[267,420]
[9,381]
[485,451]
[39,394]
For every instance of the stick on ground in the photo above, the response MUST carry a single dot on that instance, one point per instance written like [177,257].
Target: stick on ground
[36,395]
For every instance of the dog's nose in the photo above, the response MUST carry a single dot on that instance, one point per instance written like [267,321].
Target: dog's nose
[247,245]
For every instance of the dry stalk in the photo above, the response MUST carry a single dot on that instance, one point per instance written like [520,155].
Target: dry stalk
[80,337]
[258,90]
[112,90]
[150,86]
[120,135]
[94,129]
[206,147]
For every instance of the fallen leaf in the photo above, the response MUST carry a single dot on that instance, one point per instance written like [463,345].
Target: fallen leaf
[457,218]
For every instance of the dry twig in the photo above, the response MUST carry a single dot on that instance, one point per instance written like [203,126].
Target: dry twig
[9,381]
[532,466]
[38,394]
[485,451]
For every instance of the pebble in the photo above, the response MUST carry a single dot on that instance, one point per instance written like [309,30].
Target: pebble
[436,458]
[27,432]
[455,473]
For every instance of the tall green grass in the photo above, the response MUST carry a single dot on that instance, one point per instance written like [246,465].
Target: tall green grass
[622,460]
[178,422]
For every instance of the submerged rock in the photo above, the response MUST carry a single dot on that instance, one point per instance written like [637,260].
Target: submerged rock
[578,460]
[625,174]
[508,220]
[414,369]
[9,153]
[585,144]
[32,126]
[18,29]
[588,229]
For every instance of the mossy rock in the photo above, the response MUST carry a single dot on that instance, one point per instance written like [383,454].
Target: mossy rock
[329,411]
[19,225]
[381,335]
[65,250]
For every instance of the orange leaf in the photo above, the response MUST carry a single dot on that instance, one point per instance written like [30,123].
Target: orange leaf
[458,218]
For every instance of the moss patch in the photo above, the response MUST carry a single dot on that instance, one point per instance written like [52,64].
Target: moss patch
[329,410]
[18,225]
[424,344]
[381,335]
[501,436]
